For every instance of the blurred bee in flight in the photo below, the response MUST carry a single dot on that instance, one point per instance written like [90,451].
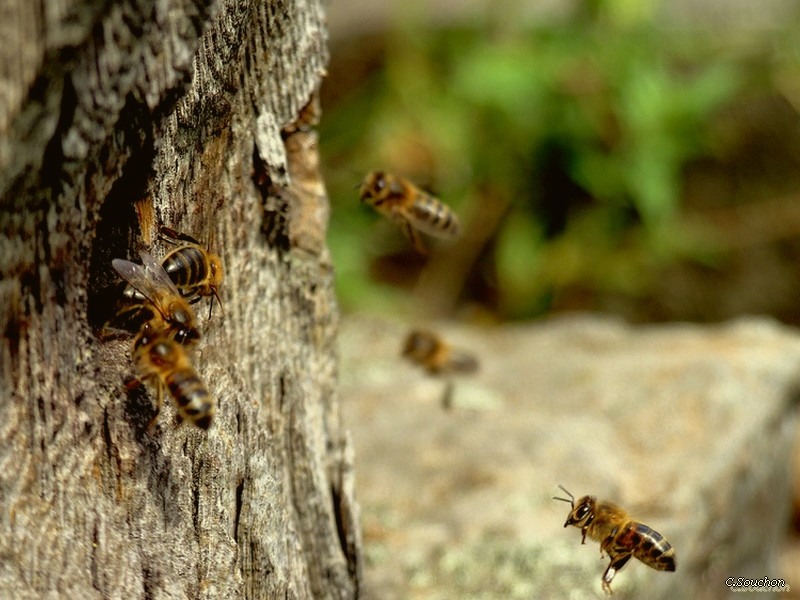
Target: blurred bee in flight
[437,357]
[430,351]
[409,207]
[619,535]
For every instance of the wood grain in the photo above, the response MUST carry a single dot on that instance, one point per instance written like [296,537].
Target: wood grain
[117,118]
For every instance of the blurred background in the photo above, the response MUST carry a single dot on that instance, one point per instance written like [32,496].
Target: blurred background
[630,157]
[639,158]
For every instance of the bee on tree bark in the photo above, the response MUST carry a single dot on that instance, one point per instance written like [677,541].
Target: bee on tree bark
[161,301]
[164,324]
[162,361]
[194,270]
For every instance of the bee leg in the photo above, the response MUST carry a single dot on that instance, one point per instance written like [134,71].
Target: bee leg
[605,545]
[415,238]
[152,424]
[127,321]
[583,535]
[615,565]
[447,396]
[216,295]
[210,304]
[168,234]
[606,586]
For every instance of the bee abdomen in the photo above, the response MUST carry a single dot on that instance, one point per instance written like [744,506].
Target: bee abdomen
[654,550]
[186,266]
[192,398]
[434,218]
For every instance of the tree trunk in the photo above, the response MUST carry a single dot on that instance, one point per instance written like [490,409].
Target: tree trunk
[117,118]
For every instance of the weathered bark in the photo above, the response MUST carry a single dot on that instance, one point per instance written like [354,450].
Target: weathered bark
[116,118]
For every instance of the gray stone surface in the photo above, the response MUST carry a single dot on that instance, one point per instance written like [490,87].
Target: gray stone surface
[689,428]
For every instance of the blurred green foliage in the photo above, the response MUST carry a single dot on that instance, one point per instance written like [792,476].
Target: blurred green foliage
[578,132]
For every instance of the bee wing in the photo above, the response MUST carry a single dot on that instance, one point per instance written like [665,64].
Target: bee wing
[157,274]
[149,278]
[462,362]
[131,272]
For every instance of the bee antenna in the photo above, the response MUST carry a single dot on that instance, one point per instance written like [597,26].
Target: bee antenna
[216,295]
[571,499]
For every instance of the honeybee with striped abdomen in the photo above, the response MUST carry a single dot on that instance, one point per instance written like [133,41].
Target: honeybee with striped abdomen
[172,312]
[162,360]
[194,270]
[619,535]
[408,206]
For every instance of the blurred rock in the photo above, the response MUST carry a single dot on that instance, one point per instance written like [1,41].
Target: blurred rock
[689,428]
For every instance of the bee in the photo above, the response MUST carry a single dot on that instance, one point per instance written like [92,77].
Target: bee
[172,312]
[162,360]
[409,207]
[436,356]
[619,535]
[195,271]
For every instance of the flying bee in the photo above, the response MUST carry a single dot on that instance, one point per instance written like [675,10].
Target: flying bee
[172,311]
[437,357]
[409,207]
[194,270]
[162,360]
[619,535]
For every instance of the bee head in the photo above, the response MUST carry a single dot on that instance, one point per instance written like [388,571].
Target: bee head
[179,315]
[154,344]
[419,344]
[582,512]
[183,324]
[373,188]
[186,335]
[215,270]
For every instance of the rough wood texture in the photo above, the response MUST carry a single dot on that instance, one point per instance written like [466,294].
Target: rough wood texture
[115,118]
